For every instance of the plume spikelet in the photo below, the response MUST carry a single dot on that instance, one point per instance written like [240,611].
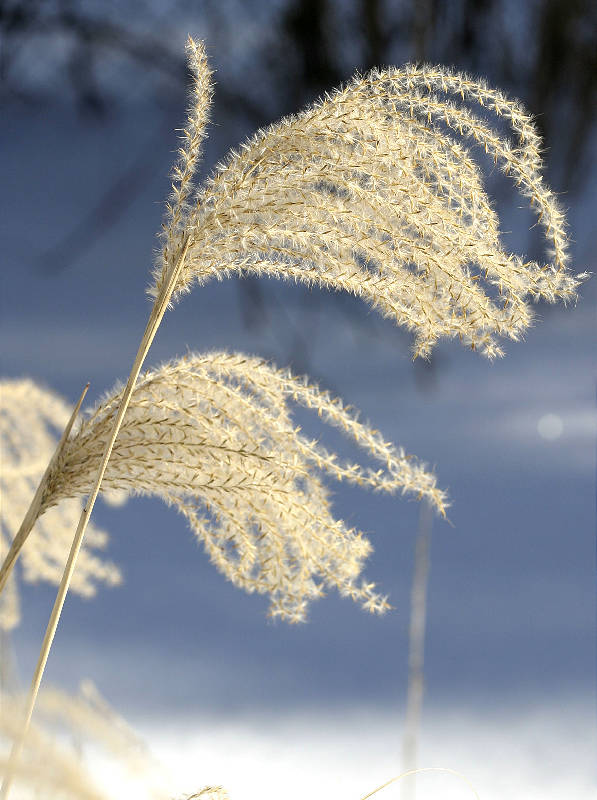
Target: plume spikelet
[178,207]
[374,190]
[213,436]
[30,418]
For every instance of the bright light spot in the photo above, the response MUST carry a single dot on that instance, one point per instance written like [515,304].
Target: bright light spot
[550,427]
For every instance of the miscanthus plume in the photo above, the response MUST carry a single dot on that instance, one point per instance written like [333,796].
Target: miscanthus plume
[30,419]
[213,435]
[376,190]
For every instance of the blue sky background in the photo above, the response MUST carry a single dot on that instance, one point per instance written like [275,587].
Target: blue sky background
[511,611]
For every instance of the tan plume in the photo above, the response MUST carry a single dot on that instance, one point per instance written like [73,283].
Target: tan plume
[213,435]
[375,190]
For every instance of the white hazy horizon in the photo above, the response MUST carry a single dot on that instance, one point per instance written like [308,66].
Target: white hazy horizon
[521,751]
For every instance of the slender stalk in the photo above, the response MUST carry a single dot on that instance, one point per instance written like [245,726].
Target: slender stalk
[157,313]
[33,510]
[416,648]
[408,773]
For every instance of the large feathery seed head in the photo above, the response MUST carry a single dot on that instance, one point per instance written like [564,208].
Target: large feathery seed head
[213,435]
[375,190]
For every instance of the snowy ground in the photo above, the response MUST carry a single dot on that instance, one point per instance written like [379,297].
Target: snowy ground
[522,752]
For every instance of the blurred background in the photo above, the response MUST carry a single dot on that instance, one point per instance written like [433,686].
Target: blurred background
[93,92]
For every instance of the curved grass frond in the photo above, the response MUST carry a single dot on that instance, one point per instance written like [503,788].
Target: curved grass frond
[30,420]
[374,190]
[213,436]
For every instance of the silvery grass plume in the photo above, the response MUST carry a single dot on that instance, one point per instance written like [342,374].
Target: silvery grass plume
[375,190]
[30,417]
[213,435]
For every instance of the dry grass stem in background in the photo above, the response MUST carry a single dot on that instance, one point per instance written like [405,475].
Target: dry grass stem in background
[413,772]
[416,649]
[213,436]
[30,418]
